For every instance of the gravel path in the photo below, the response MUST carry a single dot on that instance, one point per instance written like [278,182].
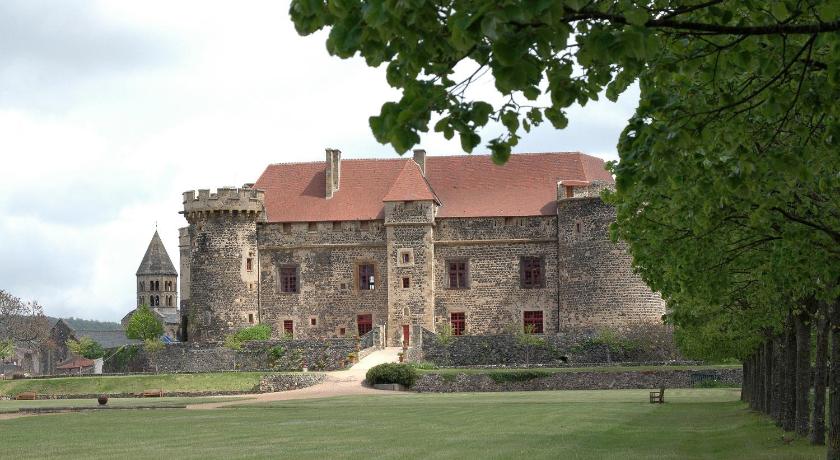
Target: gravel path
[337,383]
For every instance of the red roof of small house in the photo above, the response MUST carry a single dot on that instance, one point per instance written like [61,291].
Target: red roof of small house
[76,363]
[464,186]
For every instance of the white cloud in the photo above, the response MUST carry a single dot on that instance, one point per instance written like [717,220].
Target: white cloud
[109,110]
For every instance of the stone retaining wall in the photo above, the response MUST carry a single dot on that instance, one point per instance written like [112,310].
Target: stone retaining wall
[286,382]
[636,343]
[315,354]
[580,381]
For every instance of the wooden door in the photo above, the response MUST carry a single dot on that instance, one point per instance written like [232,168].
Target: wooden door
[406,329]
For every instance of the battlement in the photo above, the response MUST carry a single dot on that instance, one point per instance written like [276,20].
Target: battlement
[568,189]
[226,199]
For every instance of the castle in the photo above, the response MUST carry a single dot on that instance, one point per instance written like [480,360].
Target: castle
[336,248]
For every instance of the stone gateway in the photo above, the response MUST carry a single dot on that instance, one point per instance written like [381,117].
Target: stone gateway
[337,248]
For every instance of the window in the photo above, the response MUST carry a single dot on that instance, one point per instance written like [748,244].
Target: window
[364,225]
[364,323]
[336,226]
[151,301]
[142,285]
[288,279]
[249,264]
[342,331]
[458,323]
[406,282]
[250,318]
[405,257]
[532,273]
[157,300]
[570,191]
[289,327]
[287,228]
[577,227]
[313,227]
[367,277]
[169,301]
[157,285]
[514,221]
[533,322]
[313,321]
[457,274]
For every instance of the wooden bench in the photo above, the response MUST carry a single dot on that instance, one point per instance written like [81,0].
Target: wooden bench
[26,396]
[152,393]
[657,397]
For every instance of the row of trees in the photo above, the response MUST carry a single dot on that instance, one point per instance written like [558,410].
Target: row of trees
[727,191]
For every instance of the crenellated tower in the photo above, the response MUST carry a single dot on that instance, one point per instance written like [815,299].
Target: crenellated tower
[221,242]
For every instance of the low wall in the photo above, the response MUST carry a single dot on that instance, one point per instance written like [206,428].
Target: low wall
[286,382]
[608,380]
[638,343]
[278,355]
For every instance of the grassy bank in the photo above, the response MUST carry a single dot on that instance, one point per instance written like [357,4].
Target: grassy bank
[602,424]
[226,381]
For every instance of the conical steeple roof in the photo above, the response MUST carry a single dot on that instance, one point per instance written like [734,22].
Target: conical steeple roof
[156,261]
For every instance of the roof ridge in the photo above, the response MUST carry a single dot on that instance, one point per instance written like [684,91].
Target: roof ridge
[461,155]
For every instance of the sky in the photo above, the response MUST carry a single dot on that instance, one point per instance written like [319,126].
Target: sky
[110,110]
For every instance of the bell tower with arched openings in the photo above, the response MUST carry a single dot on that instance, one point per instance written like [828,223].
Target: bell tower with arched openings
[157,280]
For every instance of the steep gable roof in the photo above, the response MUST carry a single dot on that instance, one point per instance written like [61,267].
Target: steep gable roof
[410,185]
[464,186]
[156,261]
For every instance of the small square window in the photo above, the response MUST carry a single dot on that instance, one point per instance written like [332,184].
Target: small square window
[406,282]
[577,227]
[289,327]
[343,286]
[250,318]
[313,321]
[336,226]
[342,331]
[249,265]
[570,191]
[364,225]
[458,322]
[405,257]
[287,228]
[312,227]
[532,322]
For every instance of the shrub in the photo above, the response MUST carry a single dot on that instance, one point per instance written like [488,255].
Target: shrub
[248,334]
[403,374]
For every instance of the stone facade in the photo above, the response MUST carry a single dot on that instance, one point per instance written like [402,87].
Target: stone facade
[234,260]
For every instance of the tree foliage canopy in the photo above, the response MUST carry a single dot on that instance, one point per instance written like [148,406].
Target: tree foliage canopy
[86,348]
[728,189]
[144,325]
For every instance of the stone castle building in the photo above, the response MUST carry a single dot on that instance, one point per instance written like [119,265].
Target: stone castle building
[157,287]
[335,248]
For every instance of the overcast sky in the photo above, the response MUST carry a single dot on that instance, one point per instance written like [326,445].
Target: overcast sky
[109,110]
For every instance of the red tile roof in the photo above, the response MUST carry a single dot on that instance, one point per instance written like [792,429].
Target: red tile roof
[465,186]
[410,185]
[76,363]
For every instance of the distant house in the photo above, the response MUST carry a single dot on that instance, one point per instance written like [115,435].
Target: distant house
[55,354]
[77,365]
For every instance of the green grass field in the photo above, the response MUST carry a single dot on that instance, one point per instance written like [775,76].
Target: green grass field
[462,370]
[618,424]
[13,406]
[222,381]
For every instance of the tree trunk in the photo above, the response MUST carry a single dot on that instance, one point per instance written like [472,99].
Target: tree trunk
[834,385]
[744,380]
[803,373]
[759,379]
[768,375]
[778,373]
[789,381]
[818,416]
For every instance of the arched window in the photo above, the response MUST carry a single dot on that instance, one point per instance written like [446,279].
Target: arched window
[151,301]
[157,300]
[169,301]
[157,285]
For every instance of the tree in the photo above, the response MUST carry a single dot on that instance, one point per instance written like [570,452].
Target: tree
[143,325]
[545,56]
[6,349]
[86,348]
[22,323]
[152,346]
[248,334]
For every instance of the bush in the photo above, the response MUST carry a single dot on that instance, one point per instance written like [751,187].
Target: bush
[424,365]
[248,334]
[404,374]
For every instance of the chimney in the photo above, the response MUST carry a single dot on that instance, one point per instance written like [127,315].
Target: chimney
[420,159]
[333,171]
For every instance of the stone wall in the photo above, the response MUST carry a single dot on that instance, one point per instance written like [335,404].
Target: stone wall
[640,343]
[601,380]
[286,382]
[324,354]
[494,299]
[327,263]
[598,286]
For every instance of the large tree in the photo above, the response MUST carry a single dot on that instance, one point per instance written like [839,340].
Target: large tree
[22,323]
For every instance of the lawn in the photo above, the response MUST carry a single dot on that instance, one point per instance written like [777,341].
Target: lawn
[620,424]
[220,381]
[473,370]
[13,406]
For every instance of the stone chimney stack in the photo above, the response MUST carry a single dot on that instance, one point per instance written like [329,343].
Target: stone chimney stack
[420,159]
[333,171]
